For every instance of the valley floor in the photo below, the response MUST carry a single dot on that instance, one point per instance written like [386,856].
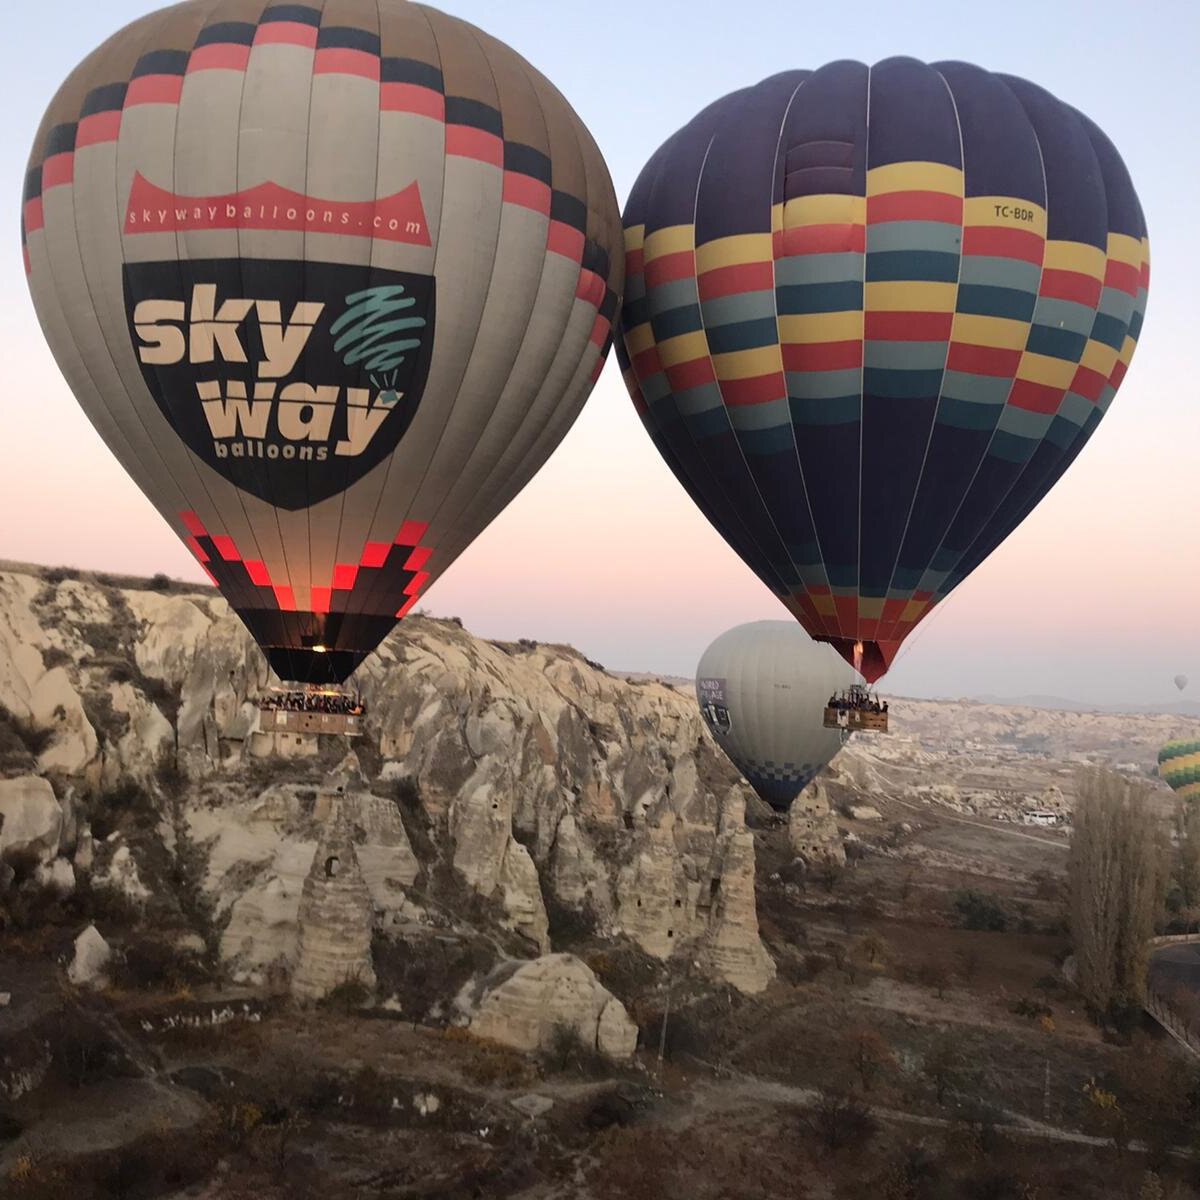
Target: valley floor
[825,1087]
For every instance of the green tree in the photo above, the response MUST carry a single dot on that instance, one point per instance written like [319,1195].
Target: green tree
[1117,876]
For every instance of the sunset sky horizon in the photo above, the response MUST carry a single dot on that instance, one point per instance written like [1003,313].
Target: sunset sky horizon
[1094,598]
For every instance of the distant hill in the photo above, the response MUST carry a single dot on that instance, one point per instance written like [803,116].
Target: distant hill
[1177,708]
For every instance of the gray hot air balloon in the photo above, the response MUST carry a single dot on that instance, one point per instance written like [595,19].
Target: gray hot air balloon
[762,689]
[331,280]
[1181,681]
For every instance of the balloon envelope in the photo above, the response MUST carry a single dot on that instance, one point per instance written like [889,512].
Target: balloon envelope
[1181,681]
[871,316]
[331,280]
[1179,765]
[762,690]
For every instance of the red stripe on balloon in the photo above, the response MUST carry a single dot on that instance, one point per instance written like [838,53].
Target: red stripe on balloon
[412,98]
[257,570]
[820,239]
[98,128]
[226,548]
[220,56]
[340,60]
[375,554]
[914,206]
[1035,397]
[1088,383]
[907,327]
[591,288]
[527,192]
[154,89]
[417,582]
[345,575]
[1122,276]
[992,242]
[822,356]
[1070,285]
[566,240]
[57,170]
[694,373]
[465,141]
[286,33]
[757,390]
[668,268]
[418,558]
[983,360]
[411,533]
[733,281]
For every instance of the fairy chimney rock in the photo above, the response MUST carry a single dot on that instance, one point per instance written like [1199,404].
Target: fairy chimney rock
[335,918]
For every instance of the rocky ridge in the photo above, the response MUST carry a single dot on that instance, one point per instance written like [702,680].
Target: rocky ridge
[547,784]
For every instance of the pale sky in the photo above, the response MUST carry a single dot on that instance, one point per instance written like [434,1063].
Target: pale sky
[1095,597]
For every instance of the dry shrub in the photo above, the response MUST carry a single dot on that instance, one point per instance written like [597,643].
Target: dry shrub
[702,1163]
[567,1053]
[426,975]
[840,1120]
[489,1063]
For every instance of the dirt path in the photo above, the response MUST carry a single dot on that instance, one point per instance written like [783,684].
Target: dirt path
[713,1096]
[990,826]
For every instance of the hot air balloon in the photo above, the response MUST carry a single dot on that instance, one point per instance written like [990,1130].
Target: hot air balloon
[1179,765]
[871,315]
[762,690]
[331,280]
[1181,681]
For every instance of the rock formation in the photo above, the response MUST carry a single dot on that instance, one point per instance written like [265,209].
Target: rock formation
[812,831]
[90,959]
[31,819]
[526,1006]
[541,777]
[334,919]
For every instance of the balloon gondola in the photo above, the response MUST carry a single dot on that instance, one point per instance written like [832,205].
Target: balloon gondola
[857,710]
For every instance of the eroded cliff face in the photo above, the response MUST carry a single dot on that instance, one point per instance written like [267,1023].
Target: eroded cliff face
[545,782]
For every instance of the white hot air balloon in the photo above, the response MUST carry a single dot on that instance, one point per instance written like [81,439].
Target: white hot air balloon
[1181,681]
[762,689]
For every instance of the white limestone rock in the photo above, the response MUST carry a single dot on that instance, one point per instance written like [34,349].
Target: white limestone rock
[524,1008]
[57,876]
[90,960]
[812,831]
[31,819]
[521,893]
[335,920]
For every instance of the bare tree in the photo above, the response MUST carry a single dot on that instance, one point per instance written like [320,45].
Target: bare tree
[1187,860]
[869,1054]
[1117,873]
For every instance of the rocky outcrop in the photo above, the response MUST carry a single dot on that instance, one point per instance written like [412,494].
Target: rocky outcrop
[542,779]
[31,819]
[812,831]
[525,1008]
[334,920]
[524,908]
[90,959]
[730,947]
